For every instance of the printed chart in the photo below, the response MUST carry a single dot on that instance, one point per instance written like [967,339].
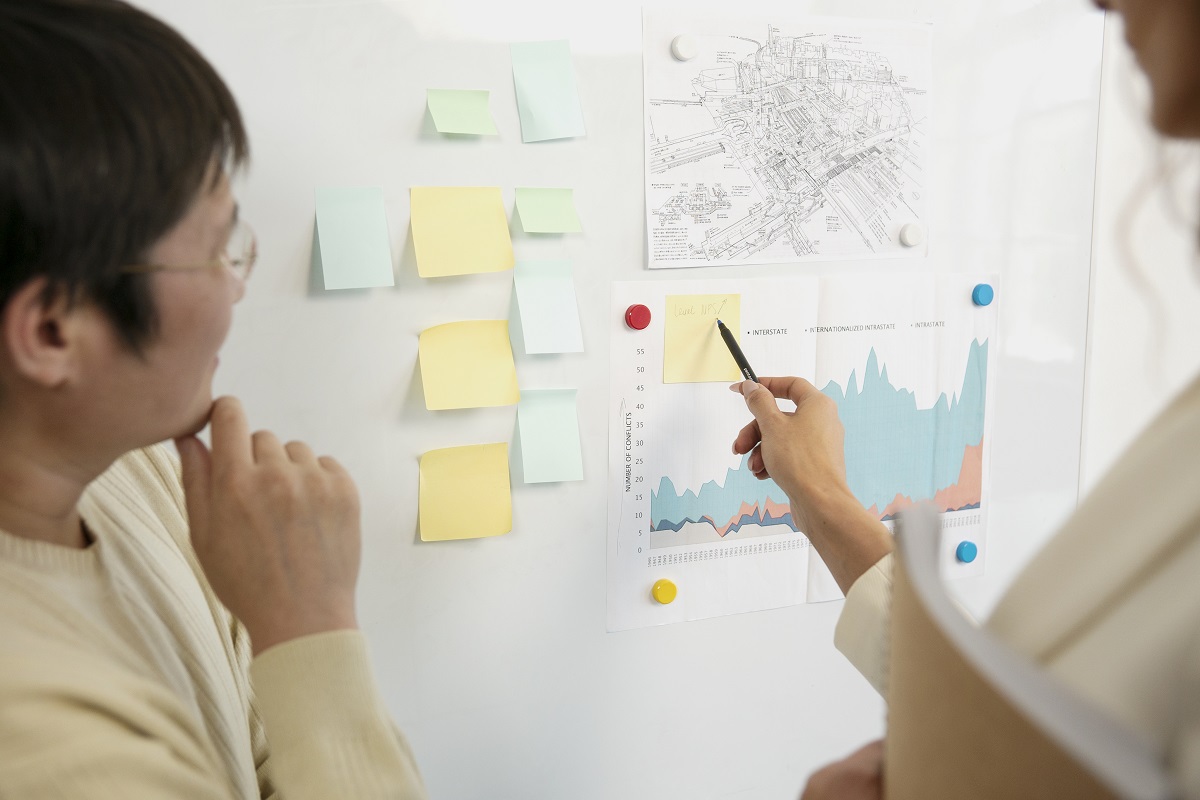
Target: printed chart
[784,140]
[905,358]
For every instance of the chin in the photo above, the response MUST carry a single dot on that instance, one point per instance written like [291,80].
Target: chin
[198,422]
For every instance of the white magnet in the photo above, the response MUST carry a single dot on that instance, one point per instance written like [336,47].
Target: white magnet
[912,234]
[685,47]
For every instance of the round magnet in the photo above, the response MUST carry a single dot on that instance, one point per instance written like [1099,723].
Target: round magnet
[912,234]
[982,294]
[637,316]
[966,552]
[685,47]
[663,591]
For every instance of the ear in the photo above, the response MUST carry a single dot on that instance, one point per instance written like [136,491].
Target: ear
[42,336]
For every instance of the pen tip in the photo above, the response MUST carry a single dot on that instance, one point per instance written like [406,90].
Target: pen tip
[719,322]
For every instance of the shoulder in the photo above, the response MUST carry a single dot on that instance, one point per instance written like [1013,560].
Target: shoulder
[151,472]
[143,489]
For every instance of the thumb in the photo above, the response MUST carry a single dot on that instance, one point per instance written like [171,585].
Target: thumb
[760,401]
[197,482]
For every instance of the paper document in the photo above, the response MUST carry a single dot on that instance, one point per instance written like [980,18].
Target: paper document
[465,493]
[468,365]
[547,304]
[547,99]
[352,249]
[462,111]
[548,423]
[547,210]
[458,230]
[784,139]
[906,359]
[693,350]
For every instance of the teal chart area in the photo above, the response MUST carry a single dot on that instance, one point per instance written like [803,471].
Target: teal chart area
[896,454]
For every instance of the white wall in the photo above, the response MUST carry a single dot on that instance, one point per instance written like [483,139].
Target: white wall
[1144,328]
[492,655]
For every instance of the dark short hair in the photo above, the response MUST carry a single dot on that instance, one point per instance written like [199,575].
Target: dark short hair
[111,123]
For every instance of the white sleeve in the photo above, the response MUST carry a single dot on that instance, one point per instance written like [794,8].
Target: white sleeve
[862,629]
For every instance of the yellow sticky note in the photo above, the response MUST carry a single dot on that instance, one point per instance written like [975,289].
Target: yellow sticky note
[468,365]
[465,493]
[694,351]
[458,230]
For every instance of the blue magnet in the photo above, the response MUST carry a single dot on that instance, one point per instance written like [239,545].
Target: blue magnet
[966,552]
[982,294]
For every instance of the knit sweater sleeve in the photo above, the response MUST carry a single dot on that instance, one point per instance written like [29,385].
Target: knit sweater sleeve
[328,732]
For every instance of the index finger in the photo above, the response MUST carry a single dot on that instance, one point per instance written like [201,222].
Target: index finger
[231,444]
[790,387]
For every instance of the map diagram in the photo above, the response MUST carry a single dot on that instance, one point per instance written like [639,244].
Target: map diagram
[699,203]
[784,143]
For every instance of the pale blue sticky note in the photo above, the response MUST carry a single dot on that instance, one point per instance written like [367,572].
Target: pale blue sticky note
[352,248]
[547,99]
[549,313]
[549,430]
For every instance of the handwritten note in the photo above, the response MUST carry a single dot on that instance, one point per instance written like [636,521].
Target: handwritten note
[549,426]
[458,230]
[548,307]
[547,99]
[352,249]
[465,493]
[694,351]
[461,111]
[468,365]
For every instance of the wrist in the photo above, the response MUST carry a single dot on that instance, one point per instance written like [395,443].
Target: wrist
[266,635]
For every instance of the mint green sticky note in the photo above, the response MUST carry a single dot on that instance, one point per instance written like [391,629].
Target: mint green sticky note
[547,99]
[546,301]
[549,428]
[352,248]
[547,210]
[460,111]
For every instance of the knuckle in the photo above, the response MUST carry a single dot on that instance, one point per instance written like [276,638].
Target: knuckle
[279,486]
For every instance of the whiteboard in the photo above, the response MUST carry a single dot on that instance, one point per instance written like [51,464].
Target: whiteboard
[492,654]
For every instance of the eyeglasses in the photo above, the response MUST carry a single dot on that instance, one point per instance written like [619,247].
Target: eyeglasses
[240,254]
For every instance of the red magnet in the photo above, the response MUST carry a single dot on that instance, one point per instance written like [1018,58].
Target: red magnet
[637,316]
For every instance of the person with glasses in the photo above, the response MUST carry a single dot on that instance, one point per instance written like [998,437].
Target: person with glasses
[1111,606]
[169,627]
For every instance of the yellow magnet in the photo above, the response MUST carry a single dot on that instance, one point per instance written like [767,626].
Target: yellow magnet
[663,591]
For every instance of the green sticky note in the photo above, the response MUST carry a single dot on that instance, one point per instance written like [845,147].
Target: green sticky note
[547,210]
[461,111]
[549,428]
[352,248]
[549,312]
[547,99]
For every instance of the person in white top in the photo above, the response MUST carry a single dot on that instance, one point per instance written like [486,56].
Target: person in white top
[1112,605]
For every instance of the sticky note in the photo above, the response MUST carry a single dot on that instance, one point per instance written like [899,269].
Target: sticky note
[694,351]
[547,99]
[459,230]
[548,423]
[549,311]
[547,210]
[352,248]
[468,365]
[460,111]
[465,493]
